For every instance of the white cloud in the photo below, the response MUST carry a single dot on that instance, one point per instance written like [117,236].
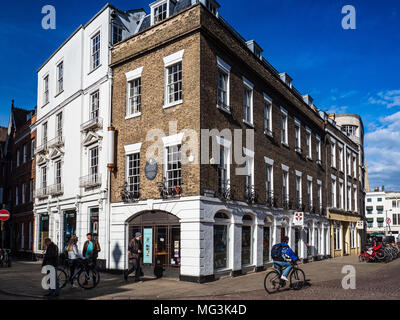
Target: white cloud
[337,109]
[382,149]
[388,98]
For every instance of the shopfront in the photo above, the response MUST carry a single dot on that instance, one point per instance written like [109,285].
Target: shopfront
[94,221]
[161,241]
[43,230]
[267,240]
[247,241]
[69,226]
[221,236]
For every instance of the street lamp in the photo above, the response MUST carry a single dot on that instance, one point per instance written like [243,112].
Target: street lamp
[386,222]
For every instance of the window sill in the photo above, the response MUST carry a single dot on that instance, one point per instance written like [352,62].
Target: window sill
[173,104]
[136,115]
[48,102]
[285,145]
[248,124]
[227,110]
[93,70]
[59,94]
[309,158]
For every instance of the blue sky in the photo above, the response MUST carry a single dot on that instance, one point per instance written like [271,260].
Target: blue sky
[354,71]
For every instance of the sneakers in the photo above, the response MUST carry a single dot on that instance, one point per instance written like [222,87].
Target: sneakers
[125,276]
[284,278]
[73,286]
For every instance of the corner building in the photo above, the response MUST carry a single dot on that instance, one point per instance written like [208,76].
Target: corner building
[187,71]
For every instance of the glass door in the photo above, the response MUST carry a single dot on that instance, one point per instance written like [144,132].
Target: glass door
[175,246]
[297,242]
[161,246]
[69,226]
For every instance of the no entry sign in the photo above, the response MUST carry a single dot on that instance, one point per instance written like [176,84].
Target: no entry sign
[4,215]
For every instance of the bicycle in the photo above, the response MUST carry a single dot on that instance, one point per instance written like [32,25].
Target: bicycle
[86,273]
[273,282]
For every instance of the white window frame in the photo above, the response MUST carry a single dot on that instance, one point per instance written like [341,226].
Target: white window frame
[309,143]
[341,194]
[319,156]
[285,170]
[349,192]
[135,184]
[58,172]
[43,177]
[95,61]
[284,137]
[119,29]
[334,195]
[333,154]
[319,183]
[250,166]
[155,6]
[60,77]
[225,69]
[268,115]
[59,124]
[297,131]
[270,164]
[355,198]
[248,87]
[170,61]
[310,190]
[348,163]
[94,107]
[226,145]
[354,166]
[299,187]
[341,158]
[94,169]
[46,89]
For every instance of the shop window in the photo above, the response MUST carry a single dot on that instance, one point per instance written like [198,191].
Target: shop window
[220,246]
[94,221]
[69,226]
[44,230]
[267,244]
[246,245]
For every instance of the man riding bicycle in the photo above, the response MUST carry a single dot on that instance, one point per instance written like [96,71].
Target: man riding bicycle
[281,255]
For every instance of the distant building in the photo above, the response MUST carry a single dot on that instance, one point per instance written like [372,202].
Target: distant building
[19,181]
[383,212]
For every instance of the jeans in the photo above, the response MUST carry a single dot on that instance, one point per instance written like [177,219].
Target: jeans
[135,267]
[72,265]
[55,291]
[284,264]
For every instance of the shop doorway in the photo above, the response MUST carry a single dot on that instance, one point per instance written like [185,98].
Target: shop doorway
[161,242]
[69,226]
[297,241]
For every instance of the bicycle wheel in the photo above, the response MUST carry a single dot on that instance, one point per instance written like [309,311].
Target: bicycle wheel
[62,278]
[88,279]
[297,279]
[272,282]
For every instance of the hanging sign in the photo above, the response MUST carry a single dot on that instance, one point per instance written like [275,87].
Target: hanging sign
[360,225]
[298,219]
[4,215]
[148,245]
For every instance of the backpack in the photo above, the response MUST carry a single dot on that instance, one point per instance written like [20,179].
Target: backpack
[276,252]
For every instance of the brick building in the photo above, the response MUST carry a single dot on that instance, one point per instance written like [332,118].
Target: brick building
[213,203]
[19,176]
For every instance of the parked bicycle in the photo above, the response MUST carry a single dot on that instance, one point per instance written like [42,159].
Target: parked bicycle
[5,259]
[375,253]
[273,282]
[86,274]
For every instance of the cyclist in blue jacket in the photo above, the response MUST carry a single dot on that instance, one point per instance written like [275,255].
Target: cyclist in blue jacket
[287,255]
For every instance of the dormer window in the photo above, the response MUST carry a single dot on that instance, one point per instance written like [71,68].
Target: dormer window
[159,12]
[117,34]
[212,7]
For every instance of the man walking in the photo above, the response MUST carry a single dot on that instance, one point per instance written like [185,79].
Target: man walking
[135,255]
[51,259]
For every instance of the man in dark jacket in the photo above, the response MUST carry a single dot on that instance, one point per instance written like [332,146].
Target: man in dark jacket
[51,258]
[91,249]
[135,254]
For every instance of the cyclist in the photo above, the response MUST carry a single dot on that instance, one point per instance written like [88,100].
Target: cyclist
[281,256]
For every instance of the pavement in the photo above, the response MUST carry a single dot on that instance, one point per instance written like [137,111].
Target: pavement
[373,281]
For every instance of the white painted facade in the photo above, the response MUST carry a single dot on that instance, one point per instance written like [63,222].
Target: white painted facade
[383,207]
[197,220]
[86,82]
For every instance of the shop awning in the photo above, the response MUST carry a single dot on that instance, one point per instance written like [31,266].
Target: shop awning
[370,219]
[376,233]
[370,208]
[381,219]
[379,208]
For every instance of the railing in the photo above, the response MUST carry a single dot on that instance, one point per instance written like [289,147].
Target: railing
[224,192]
[167,190]
[271,201]
[250,194]
[286,202]
[268,132]
[319,162]
[223,105]
[42,148]
[129,196]
[298,149]
[42,193]
[90,181]
[56,189]
[56,142]
[299,204]
[92,124]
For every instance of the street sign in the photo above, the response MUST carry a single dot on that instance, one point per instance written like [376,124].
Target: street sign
[360,225]
[298,219]
[388,220]
[4,215]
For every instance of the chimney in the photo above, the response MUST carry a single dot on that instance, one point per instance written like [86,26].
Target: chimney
[383,188]
[308,99]
[376,189]
[286,79]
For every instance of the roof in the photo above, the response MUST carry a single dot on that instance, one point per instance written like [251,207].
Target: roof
[20,116]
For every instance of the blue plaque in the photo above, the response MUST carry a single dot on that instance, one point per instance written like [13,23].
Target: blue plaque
[151,169]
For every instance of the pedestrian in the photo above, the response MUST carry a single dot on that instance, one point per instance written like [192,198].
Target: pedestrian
[135,254]
[51,259]
[73,258]
[91,249]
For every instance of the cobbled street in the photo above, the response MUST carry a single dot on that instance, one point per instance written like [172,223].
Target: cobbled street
[373,281]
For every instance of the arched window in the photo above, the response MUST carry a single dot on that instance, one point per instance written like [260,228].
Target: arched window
[247,217]
[221,215]
[221,241]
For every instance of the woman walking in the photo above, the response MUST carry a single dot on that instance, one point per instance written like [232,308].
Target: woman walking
[73,257]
